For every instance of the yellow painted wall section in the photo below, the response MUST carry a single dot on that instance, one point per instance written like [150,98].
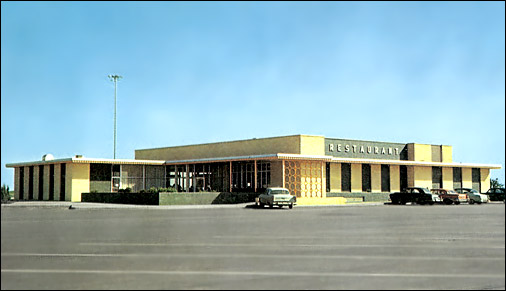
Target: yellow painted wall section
[423,177]
[447,178]
[375,178]
[423,153]
[57,181]
[467,178]
[356,177]
[36,183]
[312,145]
[261,146]
[395,178]
[79,176]
[485,180]
[411,176]
[26,182]
[335,177]
[447,154]
[46,183]
[16,183]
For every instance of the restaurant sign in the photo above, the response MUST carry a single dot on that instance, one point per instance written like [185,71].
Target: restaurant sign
[360,149]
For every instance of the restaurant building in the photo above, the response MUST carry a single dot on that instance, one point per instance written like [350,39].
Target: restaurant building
[311,167]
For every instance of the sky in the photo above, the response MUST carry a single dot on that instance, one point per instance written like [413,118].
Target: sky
[202,72]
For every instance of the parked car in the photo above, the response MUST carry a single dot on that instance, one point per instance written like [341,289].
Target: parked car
[414,195]
[496,194]
[473,195]
[447,196]
[277,196]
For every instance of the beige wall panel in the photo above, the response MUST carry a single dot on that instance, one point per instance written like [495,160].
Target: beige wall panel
[46,183]
[57,181]
[312,145]
[16,183]
[36,183]
[79,176]
[356,177]
[423,177]
[447,154]
[485,180]
[276,174]
[447,178]
[323,180]
[467,178]
[411,176]
[26,182]
[286,144]
[395,178]
[423,152]
[335,177]
[375,178]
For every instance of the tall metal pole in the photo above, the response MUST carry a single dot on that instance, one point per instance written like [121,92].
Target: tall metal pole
[115,79]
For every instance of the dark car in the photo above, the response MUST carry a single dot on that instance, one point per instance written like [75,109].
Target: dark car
[496,194]
[414,195]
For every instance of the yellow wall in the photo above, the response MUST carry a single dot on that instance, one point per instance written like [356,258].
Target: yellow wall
[335,177]
[395,178]
[422,176]
[261,146]
[36,183]
[57,181]
[46,183]
[79,175]
[447,154]
[485,180]
[16,183]
[375,178]
[447,178]
[420,152]
[312,145]
[26,182]
[356,177]
[467,178]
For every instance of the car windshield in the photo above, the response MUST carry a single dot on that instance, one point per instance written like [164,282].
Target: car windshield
[451,191]
[279,191]
[473,191]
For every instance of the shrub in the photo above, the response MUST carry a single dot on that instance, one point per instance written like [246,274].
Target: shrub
[5,193]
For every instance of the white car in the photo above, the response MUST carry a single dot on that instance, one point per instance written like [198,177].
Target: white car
[277,196]
[473,195]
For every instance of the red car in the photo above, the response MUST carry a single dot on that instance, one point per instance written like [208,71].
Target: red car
[448,196]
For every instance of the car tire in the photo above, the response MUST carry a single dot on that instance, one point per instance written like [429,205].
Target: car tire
[261,204]
[471,201]
[280,206]
[457,202]
[290,206]
[431,202]
[271,205]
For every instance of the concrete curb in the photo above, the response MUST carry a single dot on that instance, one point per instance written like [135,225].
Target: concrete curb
[90,205]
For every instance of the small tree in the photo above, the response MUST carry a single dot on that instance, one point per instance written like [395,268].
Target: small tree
[494,183]
[5,193]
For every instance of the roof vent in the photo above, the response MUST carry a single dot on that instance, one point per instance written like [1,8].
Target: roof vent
[47,157]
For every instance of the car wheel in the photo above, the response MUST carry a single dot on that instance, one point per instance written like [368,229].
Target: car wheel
[261,204]
[479,202]
[431,202]
[402,202]
[290,206]
[271,205]
[457,202]
[471,201]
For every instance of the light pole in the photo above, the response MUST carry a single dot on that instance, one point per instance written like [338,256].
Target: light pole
[115,79]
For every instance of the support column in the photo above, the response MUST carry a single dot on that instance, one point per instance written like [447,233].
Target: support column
[255,182]
[283,173]
[230,176]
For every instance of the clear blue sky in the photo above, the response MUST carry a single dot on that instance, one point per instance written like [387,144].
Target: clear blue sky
[199,72]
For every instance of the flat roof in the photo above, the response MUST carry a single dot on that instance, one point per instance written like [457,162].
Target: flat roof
[279,156]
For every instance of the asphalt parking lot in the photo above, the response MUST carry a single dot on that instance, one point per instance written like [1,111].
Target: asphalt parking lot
[371,247]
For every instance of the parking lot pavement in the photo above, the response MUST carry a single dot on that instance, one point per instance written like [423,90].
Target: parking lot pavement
[377,247]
